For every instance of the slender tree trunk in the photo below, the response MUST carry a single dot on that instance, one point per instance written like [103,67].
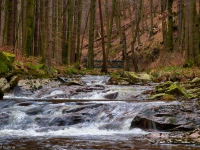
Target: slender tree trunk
[74,36]
[142,16]
[164,23]
[78,53]
[36,28]
[23,6]
[14,22]
[104,66]
[91,35]
[170,27]
[124,52]
[49,37]
[179,11]
[64,38]
[59,32]
[1,6]
[9,13]
[29,27]
[69,31]
[151,17]
[83,36]
[109,28]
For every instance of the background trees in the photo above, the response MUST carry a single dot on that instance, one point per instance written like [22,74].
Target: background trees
[58,30]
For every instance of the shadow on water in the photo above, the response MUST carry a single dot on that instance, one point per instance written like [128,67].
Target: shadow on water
[90,143]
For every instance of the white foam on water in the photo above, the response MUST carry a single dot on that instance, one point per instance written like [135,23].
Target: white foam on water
[69,131]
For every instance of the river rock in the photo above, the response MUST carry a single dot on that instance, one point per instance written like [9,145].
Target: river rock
[4,85]
[129,77]
[3,118]
[14,81]
[34,111]
[181,116]
[111,96]
[169,89]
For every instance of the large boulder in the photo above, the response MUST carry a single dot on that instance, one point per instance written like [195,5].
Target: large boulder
[6,60]
[174,116]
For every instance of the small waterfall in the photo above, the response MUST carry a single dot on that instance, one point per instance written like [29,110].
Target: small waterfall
[95,108]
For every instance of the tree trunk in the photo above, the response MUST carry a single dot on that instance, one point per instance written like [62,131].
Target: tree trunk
[170,27]
[9,20]
[1,10]
[179,11]
[124,52]
[151,18]
[36,28]
[104,66]
[164,23]
[64,38]
[49,37]
[91,35]
[29,27]
[78,52]
[74,36]
[69,31]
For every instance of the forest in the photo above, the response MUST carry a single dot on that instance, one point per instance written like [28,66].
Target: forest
[66,32]
[100,74]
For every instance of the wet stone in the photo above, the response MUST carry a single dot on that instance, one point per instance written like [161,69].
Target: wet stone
[111,96]
[3,118]
[34,111]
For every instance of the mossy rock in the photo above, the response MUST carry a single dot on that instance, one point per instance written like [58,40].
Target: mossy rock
[14,81]
[178,90]
[6,60]
[168,97]
[134,77]
[157,96]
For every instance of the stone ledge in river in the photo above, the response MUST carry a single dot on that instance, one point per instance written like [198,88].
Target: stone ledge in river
[182,116]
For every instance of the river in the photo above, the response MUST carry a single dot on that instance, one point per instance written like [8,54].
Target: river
[50,118]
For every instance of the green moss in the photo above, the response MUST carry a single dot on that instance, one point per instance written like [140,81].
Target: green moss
[168,97]
[157,96]
[6,60]
[3,67]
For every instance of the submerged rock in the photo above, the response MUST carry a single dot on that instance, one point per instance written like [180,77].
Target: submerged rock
[4,117]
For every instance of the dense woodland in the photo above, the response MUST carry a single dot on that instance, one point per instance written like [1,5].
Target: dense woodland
[58,30]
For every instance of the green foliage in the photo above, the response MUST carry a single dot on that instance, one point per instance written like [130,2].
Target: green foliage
[36,67]
[73,70]
[189,64]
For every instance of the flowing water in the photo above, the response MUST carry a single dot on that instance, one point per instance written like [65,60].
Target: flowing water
[51,119]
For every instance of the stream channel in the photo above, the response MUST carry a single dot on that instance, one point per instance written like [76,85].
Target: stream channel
[93,116]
